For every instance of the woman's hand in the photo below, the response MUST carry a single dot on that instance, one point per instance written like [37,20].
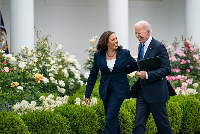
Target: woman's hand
[87,101]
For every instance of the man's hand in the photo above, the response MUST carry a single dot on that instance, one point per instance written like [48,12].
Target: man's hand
[142,74]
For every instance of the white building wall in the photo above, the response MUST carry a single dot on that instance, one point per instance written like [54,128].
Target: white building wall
[74,22]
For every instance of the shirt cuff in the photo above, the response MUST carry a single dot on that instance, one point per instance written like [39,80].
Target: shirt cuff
[146,75]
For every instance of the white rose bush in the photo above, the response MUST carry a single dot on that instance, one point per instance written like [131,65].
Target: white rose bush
[43,70]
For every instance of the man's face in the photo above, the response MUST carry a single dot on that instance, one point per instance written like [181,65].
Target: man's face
[142,34]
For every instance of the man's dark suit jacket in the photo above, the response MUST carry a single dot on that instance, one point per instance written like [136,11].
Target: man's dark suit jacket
[124,65]
[155,91]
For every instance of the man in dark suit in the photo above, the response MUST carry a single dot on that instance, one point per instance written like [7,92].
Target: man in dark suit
[151,96]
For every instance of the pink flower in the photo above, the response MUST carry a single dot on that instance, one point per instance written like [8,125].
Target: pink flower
[3,71]
[188,70]
[172,58]
[183,61]
[4,62]
[176,70]
[188,61]
[196,57]
[10,69]
[169,78]
[181,80]
[168,47]
[189,81]
[176,78]
[180,53]
[188,41]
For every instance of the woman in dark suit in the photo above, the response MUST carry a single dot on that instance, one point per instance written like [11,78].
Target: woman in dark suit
[114,63]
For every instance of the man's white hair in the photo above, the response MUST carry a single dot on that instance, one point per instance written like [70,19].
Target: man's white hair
[144,24]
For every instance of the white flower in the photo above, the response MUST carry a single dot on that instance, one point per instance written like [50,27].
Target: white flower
[177,90]
[12,60]
[78,101]
[22,64]
[61,83]
[184,84]
[20,88]
[62,90]
[191,91]
[45,80]
[71,85]
[132,74]
[42,98]
[90,49]
[23,48]
[52,62]
[86,75]
[80,82]
[60,66]
[195,85]
[35,69]
[6,69]
[50,74]
[65,72]
[93,101]
[30,54]
[59,46]
[51,96]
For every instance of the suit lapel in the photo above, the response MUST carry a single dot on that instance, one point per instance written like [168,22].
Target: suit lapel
[149,49]
[104,62]
[118,59]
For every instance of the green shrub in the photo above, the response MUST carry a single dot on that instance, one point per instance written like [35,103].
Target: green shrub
[175,115]
[150,125]
[99,108]
[83,119]
[191,114]
[125,121]
[130,106]
[11,123]
[46,122]
[72,98]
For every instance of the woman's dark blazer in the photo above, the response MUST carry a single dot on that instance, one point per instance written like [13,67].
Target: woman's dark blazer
[124,64]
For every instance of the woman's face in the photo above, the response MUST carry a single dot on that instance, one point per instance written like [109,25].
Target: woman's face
[112,42]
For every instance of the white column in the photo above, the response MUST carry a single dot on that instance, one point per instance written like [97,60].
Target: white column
[193,20]
[22,24]
[118,20]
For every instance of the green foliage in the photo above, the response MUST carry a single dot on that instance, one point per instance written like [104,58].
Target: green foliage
[83,119]
[150,125]
[132,77]
[11,123]
[99,108]
[191,115]
[125,121]
[174,112]
[46,122]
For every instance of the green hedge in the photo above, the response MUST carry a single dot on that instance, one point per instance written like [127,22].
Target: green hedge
[46,122]
[183,112]
[83,119]
[11,123]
